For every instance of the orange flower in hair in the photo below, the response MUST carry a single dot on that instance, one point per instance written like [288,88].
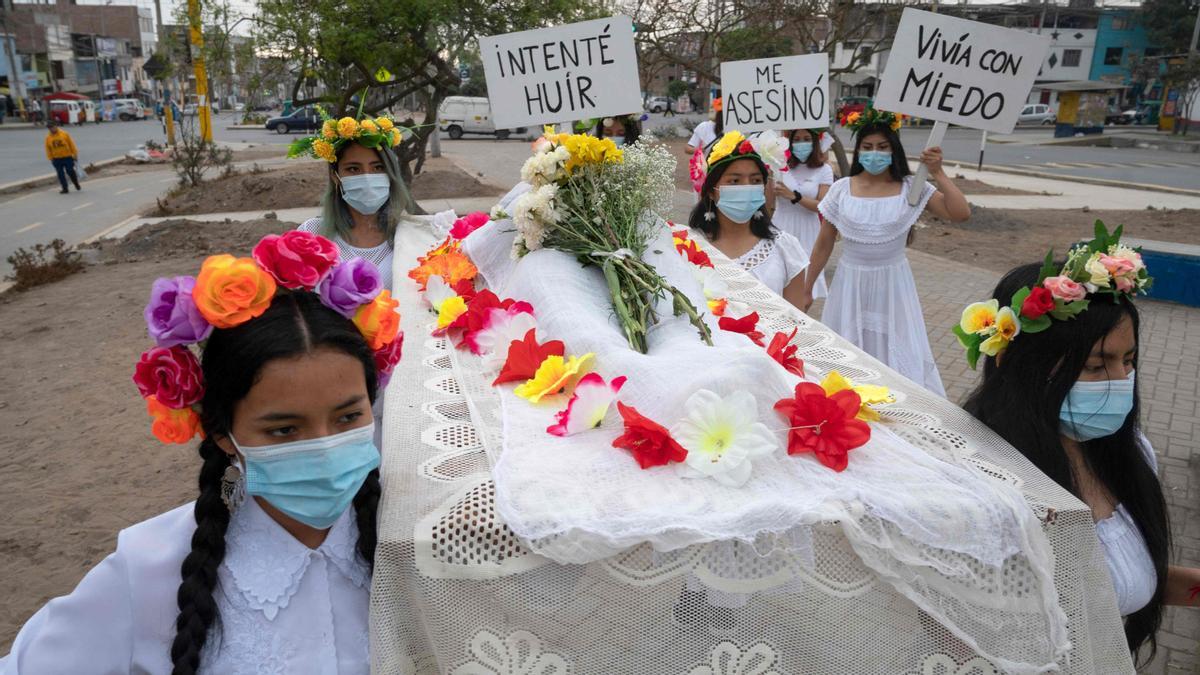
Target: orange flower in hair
[230,291]
[378,320]
[172,425]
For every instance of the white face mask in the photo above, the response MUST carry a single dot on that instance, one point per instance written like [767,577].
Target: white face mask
[366,193]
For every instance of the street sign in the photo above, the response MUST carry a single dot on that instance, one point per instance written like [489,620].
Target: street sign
[788,92]
[958,71]
[577,71]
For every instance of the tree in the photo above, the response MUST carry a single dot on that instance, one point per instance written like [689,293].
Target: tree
[393,49]
[1167,29]
[1183,75]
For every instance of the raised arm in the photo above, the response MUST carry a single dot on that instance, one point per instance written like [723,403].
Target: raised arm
[948,203]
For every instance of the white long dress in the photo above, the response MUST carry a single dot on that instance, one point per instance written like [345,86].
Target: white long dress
[873,298]
[798,221]
[284,608]
[775,262]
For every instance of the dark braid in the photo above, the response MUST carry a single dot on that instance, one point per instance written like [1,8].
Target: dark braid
[366,505]
[197,608]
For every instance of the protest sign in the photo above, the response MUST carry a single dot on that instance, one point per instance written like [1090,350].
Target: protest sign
[789,92]
[959,71]
[577,71]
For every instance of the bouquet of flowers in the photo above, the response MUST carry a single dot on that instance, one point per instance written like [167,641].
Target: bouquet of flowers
[600,203]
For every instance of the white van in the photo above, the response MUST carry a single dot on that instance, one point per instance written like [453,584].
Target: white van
[127,109]
[460,115]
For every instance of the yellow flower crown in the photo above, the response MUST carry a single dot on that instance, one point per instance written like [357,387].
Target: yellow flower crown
[380,132]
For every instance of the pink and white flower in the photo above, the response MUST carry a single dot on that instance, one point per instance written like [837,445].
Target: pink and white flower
[588,406]
[500,328]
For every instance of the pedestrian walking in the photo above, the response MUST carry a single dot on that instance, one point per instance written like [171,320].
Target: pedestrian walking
[62,153]
[669,111]
[35,111]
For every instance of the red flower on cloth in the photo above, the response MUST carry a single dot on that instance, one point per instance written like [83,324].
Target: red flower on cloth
[691,250]
[468,224]
[826,426]
[476,316]
[746,325]
[524,357]
[648,441]
[1039,301]
[784,352]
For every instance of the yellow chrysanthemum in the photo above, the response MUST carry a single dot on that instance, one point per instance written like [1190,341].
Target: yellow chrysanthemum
[396,137]
[853,118]
[329,130]
[868,393]
[368,126]
[384,123]
[895,123]
[553,376]
[724,147]
[979,317]
[1008,326]
[324,150]
[347,127]
[450,309]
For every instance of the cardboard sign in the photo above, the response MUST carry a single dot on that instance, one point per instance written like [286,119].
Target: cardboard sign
[958,71]
[788,92]
[577,71]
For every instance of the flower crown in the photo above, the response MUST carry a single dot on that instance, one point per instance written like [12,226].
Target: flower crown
[380,132]
[768,147]
[1100,266]
[870,116]
[231,291]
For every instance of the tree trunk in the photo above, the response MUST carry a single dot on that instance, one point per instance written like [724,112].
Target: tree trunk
[839,151]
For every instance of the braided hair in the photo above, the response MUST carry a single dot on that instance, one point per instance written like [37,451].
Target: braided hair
[296,323]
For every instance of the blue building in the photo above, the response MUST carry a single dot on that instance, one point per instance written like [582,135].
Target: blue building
[1119,36]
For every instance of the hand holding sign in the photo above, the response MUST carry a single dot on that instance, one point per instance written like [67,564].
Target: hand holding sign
[960,72]
[581,70]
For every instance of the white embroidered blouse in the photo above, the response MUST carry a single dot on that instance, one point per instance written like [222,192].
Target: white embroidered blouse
[284,608]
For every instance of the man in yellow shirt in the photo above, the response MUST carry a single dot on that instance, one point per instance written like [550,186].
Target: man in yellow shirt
[61,152]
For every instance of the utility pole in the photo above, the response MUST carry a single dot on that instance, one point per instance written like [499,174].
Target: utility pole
[1195,31]
[17,85]
[196,35]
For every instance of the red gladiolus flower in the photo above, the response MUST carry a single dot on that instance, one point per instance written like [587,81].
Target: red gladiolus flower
[824,425]
[745,148]
[1039,301]
[784,352]
[692,252]
[648,441]
[524,357]
[475,318]
[745,325]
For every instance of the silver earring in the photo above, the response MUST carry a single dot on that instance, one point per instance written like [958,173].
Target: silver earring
[233,487]
[710,216]
[757,215]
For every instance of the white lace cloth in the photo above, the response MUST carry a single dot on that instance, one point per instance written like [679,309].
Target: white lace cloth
[457,591]
[798,221]
[775,262]
[873,299]
[284,608]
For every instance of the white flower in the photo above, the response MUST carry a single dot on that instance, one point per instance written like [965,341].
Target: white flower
[712,283]
[722,437]
[438,291]
[772,148]
[1097,271]
[1125,253]
[532,212]
[544,168]
[498,213]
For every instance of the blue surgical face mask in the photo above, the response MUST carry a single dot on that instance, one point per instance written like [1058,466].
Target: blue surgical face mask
[739,203]
[312,481]
[618,140]
[1096,409]
[875,162]
[801,150]
[366,193]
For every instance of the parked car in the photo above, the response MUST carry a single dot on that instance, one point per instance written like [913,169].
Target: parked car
[304,119]
[851,104]
[128,109]
[1115,116]
[460,115]
[656,104]
[1037,113]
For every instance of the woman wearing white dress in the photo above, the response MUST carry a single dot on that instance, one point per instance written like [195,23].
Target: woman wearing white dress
[873,299]
[708,131]
[735,215]
[269,570]
[799,190]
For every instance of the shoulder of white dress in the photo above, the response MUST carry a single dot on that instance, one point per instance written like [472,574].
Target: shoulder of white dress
[163,540]
[794,255]
[1147,450]
[826,176]
[310,225]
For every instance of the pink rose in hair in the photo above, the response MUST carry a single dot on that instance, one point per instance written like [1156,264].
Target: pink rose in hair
[296,259]
[1064,289]
[171,375]
[1118,267]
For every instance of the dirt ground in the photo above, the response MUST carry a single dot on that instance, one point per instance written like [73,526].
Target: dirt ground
[999,240]
[303,184]
[77,458]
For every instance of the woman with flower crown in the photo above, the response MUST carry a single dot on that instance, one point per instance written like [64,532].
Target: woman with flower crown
[269,570]
[735,210]
[873,299]
[366,196]
[1061,349]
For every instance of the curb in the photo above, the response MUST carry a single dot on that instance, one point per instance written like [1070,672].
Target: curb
[1103,182]
[31,182]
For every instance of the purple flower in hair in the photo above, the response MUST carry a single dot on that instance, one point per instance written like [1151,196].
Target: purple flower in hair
[172,317]
[349,285]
